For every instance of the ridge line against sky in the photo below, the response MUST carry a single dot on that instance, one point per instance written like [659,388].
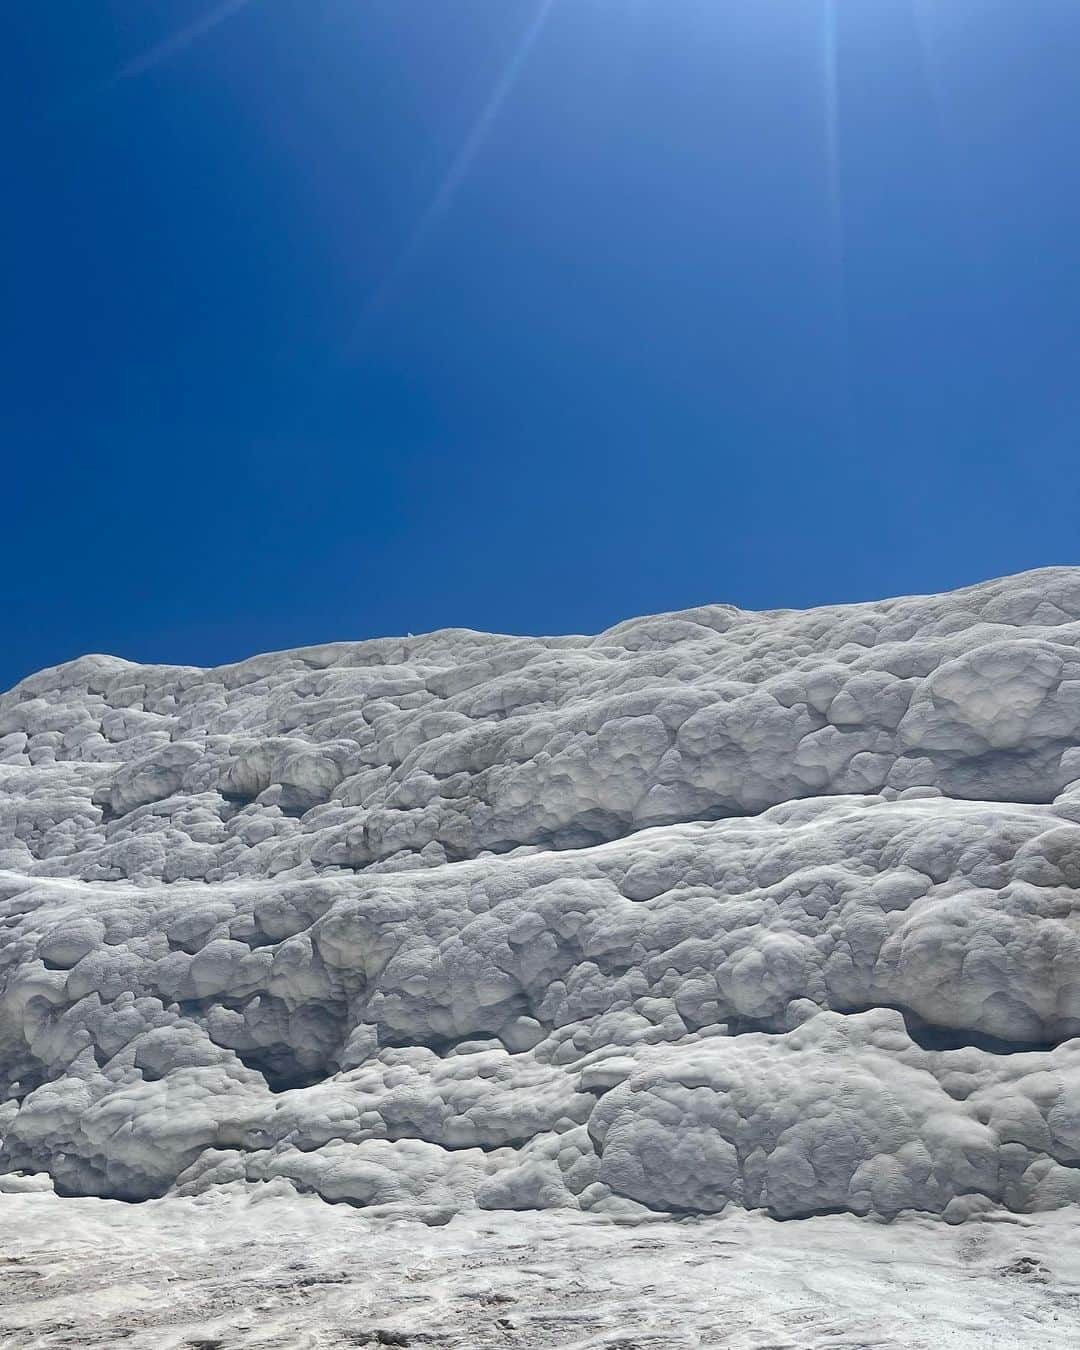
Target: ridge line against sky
[339,317]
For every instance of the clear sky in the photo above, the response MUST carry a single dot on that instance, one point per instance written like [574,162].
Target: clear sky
[334,318]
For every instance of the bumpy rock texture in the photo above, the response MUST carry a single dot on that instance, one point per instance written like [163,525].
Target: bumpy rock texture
[779,910]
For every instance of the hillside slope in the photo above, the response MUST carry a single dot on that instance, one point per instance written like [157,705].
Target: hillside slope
[777,910]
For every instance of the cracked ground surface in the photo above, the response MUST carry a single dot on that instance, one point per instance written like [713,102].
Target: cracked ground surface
[294,1273]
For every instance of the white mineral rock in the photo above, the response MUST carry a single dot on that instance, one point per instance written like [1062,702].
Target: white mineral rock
[718,908]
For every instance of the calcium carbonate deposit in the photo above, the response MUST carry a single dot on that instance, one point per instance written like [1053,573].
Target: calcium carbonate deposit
[716,910]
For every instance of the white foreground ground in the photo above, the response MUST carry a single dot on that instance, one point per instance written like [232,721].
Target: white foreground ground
[224,1271]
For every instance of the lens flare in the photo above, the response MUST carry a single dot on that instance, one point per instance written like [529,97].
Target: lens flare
[831,101]
[837,243]
[461,164]
[184,38]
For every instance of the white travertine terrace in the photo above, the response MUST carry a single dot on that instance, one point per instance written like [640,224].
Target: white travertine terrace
[776,910]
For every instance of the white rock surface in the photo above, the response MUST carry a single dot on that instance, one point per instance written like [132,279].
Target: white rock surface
[229,1272]
[716,909]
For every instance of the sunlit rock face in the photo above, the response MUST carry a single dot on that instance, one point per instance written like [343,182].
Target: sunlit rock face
[776,910]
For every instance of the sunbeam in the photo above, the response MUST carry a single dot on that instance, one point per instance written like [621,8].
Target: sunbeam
[460,165]
[147,60]
[178,41]
[925,23]
[837,243]
[830,100]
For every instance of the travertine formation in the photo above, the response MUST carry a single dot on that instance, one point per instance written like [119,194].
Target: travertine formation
[779,910]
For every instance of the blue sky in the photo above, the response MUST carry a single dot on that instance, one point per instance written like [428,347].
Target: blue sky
[333,318]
